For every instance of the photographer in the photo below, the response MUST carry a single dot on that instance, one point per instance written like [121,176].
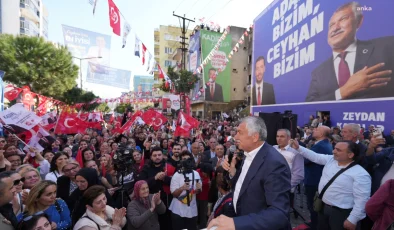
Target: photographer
[185,184]
[158,174]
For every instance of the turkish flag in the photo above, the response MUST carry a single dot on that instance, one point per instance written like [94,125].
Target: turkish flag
[69,123]
[143,53]
[11,92]
[43,106]
[154,118]
[128,124]
[184,124]
[114,17]
[161,73]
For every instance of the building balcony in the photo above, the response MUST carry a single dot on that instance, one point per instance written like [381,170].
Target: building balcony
[177,55]
[28,27]
[29,10]
[157,43]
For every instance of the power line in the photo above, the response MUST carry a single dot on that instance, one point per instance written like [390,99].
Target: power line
[203,8]
[220,9]
[179,5]
[191,8]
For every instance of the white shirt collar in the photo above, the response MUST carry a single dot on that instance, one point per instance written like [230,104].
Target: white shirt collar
[253,153]
[259,85]
[351,48]
[286,148]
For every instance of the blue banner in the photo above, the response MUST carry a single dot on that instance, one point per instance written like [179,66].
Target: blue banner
[88,44]
[104,75]
[143,85]
[319,55]
[194,59]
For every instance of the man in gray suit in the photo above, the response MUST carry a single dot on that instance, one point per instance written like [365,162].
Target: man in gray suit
[357,69]
[218,159]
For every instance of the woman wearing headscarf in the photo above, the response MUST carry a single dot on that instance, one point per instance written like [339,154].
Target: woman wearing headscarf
[85,178]
[143,210]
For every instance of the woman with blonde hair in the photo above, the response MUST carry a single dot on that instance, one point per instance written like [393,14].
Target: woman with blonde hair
[42,199]
[30,175]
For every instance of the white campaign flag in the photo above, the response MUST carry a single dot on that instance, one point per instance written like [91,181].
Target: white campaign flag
[17,119]
[126,31]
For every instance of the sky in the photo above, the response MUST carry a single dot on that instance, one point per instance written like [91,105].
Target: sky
[143,16]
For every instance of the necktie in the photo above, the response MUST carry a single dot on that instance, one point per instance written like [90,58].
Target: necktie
[343,70]
[259,96]
[212,91]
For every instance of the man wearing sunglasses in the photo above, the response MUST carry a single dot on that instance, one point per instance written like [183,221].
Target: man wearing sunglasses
[7,192]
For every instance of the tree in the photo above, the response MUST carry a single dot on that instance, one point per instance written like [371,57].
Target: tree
[121,108]
[32,61]
[183,81]
[103,108]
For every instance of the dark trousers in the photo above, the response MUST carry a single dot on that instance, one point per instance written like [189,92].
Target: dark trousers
[332,218]
[180,223]
[202,208]
[310,191]
[165,218]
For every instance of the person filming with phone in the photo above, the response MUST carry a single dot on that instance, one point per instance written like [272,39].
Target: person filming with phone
[185,184]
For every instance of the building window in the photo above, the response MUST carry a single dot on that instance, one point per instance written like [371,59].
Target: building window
[249,59]
[250,79]
[167,37]
[168,50]
[157,39]
[167,63]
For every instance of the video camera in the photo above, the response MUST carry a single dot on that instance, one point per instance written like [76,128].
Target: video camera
[187,166]
[123,158]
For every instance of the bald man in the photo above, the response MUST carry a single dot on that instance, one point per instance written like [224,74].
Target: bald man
[313,171]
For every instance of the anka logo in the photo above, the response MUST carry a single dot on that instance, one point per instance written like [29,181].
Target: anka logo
[364,8]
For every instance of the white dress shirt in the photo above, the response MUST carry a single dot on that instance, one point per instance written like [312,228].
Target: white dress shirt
[295,162]
[350,59]
[245,168]
[351,189]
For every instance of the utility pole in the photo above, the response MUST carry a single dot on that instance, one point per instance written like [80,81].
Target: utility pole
[183,42]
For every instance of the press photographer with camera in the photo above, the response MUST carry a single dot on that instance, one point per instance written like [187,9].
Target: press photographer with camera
[158,174]
[185,184]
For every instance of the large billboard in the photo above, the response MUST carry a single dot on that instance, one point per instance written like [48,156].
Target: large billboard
[195,59]
[88,44]
[104,75]
[217,72]
[330,54]
[143,85]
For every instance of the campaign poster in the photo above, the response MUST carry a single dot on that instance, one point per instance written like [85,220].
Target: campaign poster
[171,105]
[143,85]
[317,55]
[105,75]
[217,71]
[195,60]
[88,44]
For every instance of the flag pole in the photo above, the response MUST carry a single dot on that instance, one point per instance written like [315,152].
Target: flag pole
[57,120]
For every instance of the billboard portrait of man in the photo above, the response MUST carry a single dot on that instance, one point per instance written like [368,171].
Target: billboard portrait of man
[214,91]
[168,110]
[357,69]
[262,92]
[99,50]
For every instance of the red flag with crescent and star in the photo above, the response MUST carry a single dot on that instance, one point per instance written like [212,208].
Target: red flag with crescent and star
[154,119]
[128,124]
[11,92]
[69,123]
[114,17]
[184,124]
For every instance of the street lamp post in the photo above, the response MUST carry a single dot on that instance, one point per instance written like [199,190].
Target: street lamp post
[80,65]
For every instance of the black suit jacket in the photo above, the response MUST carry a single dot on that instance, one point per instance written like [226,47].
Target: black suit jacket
[369,53]
[264,198]
[268,97]
[217,95]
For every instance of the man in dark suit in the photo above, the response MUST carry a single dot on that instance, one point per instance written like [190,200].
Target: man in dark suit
[207,155]
[168,110]
[314,171]
[51,119]
[262,92]
[261,186]
[357,69]
[214,91]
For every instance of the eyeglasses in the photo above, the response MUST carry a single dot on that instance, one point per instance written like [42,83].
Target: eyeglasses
[35,214]
[17,182]
[69,170]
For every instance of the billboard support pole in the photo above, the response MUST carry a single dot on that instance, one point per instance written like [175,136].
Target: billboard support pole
[183,42]
[80,65]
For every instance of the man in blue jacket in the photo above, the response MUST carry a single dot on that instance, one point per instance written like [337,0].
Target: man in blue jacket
[314,171]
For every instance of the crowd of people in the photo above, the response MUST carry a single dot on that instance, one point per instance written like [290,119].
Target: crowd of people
[224,175]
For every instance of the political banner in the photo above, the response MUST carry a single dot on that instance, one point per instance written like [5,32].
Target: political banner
[2,73]
[195,60]
[105,75]
[217,71]
[88,44]
[332,55]
[143,85]
[171,105]
[17,119]
[318,50]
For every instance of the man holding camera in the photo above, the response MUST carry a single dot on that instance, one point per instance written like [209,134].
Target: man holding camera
[185,184]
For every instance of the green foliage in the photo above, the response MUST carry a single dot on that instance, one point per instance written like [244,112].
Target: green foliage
[77,95]
[32,61]
[183,80]
[121,108]
[103,108]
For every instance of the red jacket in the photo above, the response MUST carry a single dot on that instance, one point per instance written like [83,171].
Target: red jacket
[380,207]
[170,172]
